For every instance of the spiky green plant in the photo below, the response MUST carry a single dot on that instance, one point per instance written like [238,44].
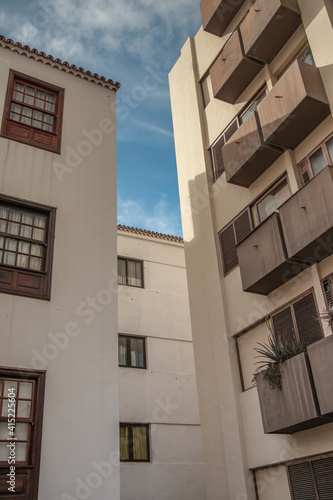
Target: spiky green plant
[327,315]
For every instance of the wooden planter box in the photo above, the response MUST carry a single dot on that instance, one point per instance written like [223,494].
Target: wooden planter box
[320,355]
[293,408]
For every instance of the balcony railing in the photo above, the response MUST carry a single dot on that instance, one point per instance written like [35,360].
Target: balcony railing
[295,106]
[217,14]
[307,219]
[263,260]
[268,26]
[233,71]
[245,156]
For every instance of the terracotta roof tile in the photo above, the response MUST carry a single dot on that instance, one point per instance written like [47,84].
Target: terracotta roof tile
[64,66]
[152,234]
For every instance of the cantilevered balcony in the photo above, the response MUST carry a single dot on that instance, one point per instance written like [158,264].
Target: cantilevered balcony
[263,260]
[307,219]
[295,106]
[268,26]
[245,156]
[217,14]
[232,71]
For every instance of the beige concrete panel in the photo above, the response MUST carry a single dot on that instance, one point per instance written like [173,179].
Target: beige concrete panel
[273,484]
[179,444]
[248,356]
[170,356]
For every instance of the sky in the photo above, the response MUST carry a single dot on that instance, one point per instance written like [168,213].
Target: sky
[136,43]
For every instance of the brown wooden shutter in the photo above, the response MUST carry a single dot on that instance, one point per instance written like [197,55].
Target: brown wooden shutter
[323,473]
[301,481]
[328,287]
[217,157]
[308,326]
[283,325]
[242,226]
[229,252]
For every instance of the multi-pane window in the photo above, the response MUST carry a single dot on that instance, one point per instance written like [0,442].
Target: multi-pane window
[252,106]
[131,351]
[312,479]
[21,413]
[130,272]
[134,442]
[26,238]
[298,321]
[33,112]
[317,160]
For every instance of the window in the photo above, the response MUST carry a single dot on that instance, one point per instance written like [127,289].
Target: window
[312,479]
[216,148]
[22,395]
[233,234]
[271,200]
[317,160]
[134,443]
[130,272]
[26,247]
[299,320]
[131,351]
[33,112]
[304,55]
[327,284]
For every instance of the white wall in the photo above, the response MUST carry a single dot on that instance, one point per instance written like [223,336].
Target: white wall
[81,397]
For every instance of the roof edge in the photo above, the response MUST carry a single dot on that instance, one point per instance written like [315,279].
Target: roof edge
[151,234]
[8,43]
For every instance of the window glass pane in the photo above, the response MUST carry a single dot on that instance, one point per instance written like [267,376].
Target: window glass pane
[26,231]
[1,253]
[25,391]
[50,97]
[3,226]
[49,107]
[15,215]
[35,264]
[9,258]
[38,115]
[25,120]
[37,124]
[3,212]
[26,111]
[38,234]
[123,441]
[2,240]
[48,119]
[3,452]
[21,452]
[11,245]
[30,90]
[40,94]
[137,352]
[121,272]
[22,261]
[37,250]
[13,228]
[23,409]
[19,86]
[134,273]
[39,221]
[16,108]
[4,430]
[9,385]
[24,247]
[252,108]
[273,200]
[140,445]
[18,96]
[318,161]
[122,351]
[27,218]
[329,145]
[29,100]
[47,127]
[21,431]
[306,56]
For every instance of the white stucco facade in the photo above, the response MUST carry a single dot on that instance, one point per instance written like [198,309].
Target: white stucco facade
[163,395]
[72,336]
[227,322]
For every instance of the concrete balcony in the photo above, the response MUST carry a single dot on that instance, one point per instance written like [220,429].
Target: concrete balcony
[307,219]
[320,355]
[268,26]
[232,71]
[217,14]
[295,106]
[263,259]
[245,156]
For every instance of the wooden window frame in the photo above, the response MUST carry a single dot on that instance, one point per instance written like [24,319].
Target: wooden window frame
[309,460]
[305,167]
[28,471]
[128,259]
[28,134]
[290,306]
[237,237]
[130,443]
[28,282]
[128,348]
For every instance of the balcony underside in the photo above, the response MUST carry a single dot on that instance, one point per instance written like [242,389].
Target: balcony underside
[217,14]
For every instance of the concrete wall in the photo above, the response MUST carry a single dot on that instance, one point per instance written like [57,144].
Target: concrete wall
[164,394]
[233,438]
[81,397]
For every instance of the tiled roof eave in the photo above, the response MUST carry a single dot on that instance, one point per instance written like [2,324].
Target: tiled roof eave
[152,234]
[57,63]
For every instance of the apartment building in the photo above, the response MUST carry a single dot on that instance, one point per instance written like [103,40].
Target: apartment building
[251,98]
[160,435]
[59,416]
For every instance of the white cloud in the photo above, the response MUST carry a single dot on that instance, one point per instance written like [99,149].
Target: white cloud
[162,218]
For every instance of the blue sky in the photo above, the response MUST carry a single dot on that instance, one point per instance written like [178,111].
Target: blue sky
[135,42]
